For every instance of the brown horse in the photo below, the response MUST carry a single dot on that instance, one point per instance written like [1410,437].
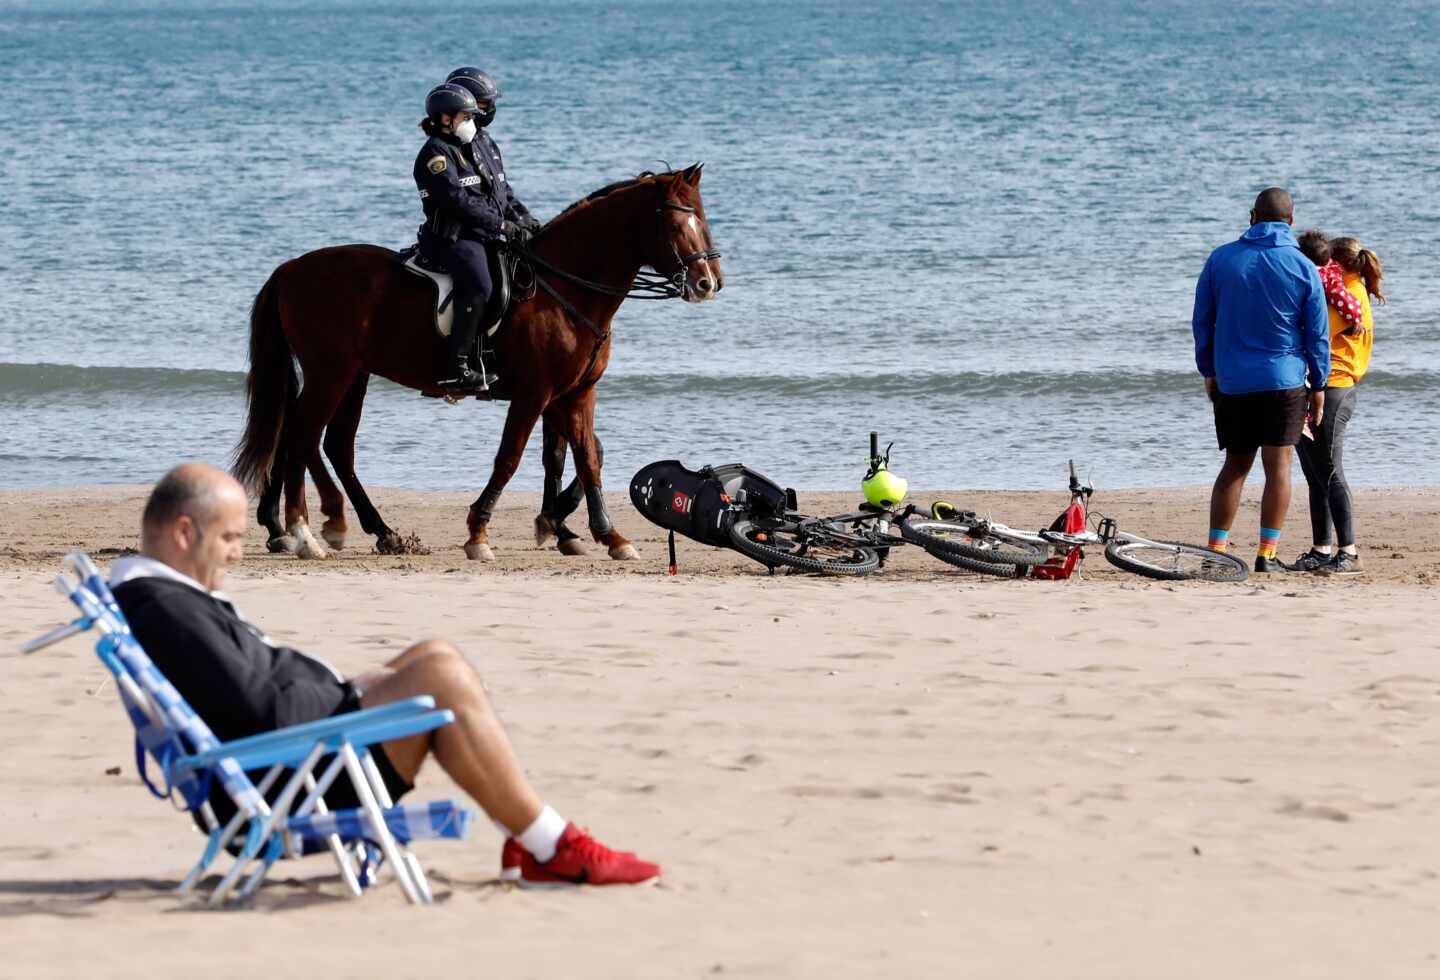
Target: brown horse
[347,312]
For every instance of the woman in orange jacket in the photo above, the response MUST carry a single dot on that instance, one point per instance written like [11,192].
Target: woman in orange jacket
[1321,451]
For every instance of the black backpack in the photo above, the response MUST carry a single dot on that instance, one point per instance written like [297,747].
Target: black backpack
[697,504]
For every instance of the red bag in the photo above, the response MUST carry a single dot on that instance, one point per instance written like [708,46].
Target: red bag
[1071,521]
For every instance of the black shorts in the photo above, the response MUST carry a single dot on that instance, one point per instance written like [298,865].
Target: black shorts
[1244,423]
[341,795]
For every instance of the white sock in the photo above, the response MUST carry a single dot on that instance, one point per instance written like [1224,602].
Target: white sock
[542,835]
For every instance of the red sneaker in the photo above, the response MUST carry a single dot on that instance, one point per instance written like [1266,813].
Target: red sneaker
[579,859]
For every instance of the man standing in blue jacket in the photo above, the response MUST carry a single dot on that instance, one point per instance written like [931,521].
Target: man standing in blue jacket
[1261,333]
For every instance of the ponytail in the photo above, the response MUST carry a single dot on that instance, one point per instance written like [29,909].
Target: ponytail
[1371,272]
[1361,261]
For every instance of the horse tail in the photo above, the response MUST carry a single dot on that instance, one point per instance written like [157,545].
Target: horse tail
[271,390]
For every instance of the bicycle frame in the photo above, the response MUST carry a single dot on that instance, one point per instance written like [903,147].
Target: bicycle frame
[846,528]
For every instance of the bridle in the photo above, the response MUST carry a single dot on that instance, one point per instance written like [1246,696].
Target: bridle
[683,262]
[647,285]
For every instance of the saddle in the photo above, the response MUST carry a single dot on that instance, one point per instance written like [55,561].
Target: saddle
[502,275]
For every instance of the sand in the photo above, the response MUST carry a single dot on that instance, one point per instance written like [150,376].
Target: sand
[924,773]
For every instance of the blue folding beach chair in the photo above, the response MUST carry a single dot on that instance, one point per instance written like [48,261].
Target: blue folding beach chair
[191,760]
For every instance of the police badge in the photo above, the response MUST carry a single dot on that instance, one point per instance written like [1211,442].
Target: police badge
[436,165]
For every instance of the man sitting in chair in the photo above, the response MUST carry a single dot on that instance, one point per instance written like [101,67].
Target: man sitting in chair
[242,684]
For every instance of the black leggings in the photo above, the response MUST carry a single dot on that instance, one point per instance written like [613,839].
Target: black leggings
[1320,458]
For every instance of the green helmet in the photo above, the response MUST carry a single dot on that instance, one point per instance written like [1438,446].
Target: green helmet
[884,489]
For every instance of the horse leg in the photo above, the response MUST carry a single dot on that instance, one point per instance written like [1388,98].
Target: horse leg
[578,415]
[317,403]
[568,500]
[268,511]
[340,449]
[519,421]
[550,523]
[332,502]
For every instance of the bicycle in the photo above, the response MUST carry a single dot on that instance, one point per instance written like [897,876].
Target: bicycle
[859,542]
[971,539]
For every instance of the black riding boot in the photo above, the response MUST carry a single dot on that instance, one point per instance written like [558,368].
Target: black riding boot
[456,372]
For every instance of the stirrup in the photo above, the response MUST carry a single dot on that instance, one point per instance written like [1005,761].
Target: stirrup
[469,380]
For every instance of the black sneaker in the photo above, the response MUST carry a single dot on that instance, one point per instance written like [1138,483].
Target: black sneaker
[1311,561]
[1263,565]
[1343,564]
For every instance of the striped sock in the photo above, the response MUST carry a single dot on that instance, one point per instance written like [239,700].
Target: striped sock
[1269,542]
[1219,539]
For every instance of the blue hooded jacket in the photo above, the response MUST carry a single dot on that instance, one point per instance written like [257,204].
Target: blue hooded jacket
[1260,321]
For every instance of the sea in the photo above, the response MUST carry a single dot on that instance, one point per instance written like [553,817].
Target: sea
[973,227]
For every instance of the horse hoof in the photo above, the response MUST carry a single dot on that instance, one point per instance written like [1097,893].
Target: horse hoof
[624,552]
[311,550]
[335,539]
[544,531]
[390,544]
[305,544]
[571,547]
[479,552]
[282,544]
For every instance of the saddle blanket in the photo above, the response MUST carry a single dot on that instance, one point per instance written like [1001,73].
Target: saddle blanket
[444,291]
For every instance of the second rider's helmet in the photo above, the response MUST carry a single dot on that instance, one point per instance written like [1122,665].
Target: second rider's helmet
[480,85]
[448,99]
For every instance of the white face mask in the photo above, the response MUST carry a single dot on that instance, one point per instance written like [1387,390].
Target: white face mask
[465,132]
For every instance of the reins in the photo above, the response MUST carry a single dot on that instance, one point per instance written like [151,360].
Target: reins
[647,285]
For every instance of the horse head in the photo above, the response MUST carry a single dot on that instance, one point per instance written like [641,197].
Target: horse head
[684,250]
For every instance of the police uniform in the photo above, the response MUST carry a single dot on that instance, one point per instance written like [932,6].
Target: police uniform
[465,208]
[485,152]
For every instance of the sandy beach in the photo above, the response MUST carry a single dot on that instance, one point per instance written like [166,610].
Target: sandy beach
[923,773]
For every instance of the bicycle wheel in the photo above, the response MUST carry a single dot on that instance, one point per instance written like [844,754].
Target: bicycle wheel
[982,546]
[775,543]
[1172,561]
[999,570]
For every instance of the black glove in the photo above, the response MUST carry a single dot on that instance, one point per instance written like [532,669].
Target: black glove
[531,224]
[515,233]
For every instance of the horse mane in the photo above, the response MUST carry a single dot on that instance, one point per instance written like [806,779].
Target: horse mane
[608,189]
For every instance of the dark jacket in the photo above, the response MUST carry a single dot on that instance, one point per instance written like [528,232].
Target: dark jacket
[483,148]
[229,672]
[459,195]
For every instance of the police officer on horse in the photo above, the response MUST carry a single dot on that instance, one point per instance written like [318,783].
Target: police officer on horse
[469,206]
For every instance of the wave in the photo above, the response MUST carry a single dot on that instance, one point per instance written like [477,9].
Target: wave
[864,382]
[27,381]
[24,380]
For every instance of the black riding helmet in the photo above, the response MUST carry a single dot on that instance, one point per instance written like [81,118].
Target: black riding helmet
[448,99]
[480,85]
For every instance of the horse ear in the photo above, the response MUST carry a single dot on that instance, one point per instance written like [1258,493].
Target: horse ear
[692,174]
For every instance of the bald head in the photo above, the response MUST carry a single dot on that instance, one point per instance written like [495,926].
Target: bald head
[194,522]
[1273,204]
[193,489]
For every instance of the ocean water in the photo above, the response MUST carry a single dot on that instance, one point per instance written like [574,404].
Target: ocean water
[972,226]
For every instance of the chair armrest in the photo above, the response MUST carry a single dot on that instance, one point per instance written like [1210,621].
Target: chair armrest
[354,725]
[294,751]
[325,726]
